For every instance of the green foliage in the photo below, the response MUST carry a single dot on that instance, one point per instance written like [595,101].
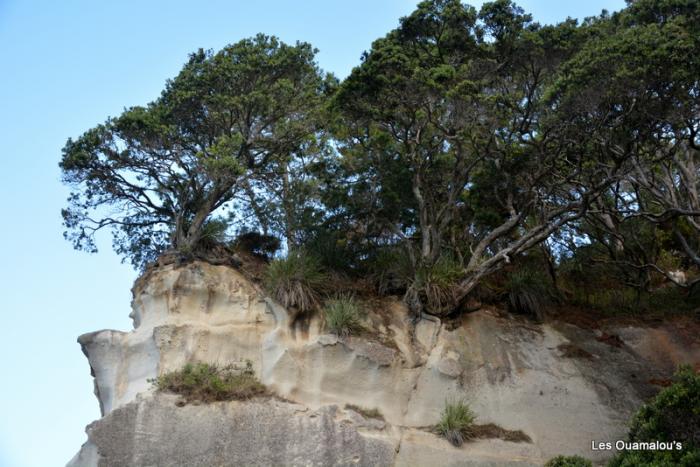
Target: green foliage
[568,461]
[456,422]
[684,458]
[391,270]
[438,282]
[295,281]
[672,300]
[154,175]
[672,416]
[342,315]
[612,301]
[528,291]
[333,251]
[257,243]
[208,383]
[463,140]
[213,232]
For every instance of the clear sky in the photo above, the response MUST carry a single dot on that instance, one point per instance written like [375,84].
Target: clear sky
[64,67]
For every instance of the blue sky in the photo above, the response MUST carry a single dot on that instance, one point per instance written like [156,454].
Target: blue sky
[64,67]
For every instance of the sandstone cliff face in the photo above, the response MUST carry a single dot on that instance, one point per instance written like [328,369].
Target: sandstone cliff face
[513,373]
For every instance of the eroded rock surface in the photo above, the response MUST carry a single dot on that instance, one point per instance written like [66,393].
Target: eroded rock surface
[153,431]
[512,372]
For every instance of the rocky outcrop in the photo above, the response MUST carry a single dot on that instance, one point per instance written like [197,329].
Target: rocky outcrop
[513,373]
[259,432]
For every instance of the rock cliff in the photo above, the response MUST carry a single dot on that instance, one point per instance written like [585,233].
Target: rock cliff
[560,384]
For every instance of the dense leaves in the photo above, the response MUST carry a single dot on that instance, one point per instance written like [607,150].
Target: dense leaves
[155,174]
[673,416]
[465,142]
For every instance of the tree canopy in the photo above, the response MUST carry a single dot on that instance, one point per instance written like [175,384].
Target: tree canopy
[156,174]
[463,142]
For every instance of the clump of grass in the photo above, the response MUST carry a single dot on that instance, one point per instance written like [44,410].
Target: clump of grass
[367,413]
[568,461]
[208,383]
[342,316]
[528,292]
[438,283]
[391,270]
[456,422]
[295,281]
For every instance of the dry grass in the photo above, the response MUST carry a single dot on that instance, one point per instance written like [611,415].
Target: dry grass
[367,413]
[572,351]
[491,430]
[204,382]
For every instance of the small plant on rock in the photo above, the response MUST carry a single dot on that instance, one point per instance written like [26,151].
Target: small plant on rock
[568,461]
[456,422]
[208,383]
[342,316]
[295,281]
[438,282]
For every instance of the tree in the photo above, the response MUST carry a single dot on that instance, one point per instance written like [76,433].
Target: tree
[157,174]
[638,80]
[454,102]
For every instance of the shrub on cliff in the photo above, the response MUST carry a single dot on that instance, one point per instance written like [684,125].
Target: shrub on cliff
[456,422]
[257,244]
[342,316]
[673,416]
[568,461]
[295,281]
[437,283]
[207,383]
[390,270]
[528,291]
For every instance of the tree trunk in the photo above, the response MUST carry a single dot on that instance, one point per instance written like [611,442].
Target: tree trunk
[551,268]
[188,240]
[288,208]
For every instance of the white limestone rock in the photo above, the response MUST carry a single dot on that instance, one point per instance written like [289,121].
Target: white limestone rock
[509,370]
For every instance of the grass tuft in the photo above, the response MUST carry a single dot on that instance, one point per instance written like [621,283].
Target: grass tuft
[295,281]
[438,284]
[208,383]
[456,422]
[342,316]
[528,292]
